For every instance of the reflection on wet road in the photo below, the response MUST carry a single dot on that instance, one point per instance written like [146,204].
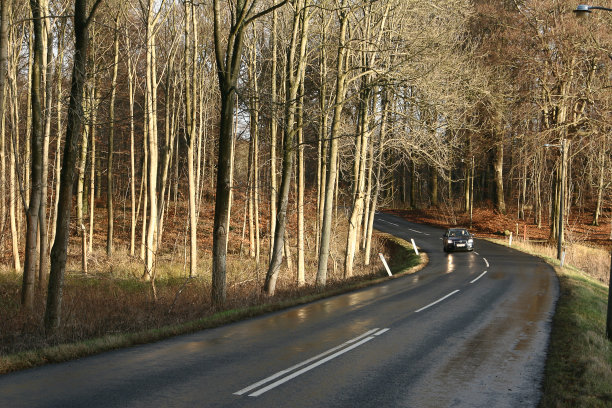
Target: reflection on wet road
[469,330]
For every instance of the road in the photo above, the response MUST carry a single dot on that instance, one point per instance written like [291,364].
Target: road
[469,330]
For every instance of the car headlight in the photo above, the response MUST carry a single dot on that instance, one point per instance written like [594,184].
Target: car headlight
[471,241]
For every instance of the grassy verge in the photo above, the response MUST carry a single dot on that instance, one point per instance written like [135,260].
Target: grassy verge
[579,362]
[401,258]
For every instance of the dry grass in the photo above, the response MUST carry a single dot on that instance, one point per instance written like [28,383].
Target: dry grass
[579,363]
[594,262]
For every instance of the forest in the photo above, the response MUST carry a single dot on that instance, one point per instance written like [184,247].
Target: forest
[230,149]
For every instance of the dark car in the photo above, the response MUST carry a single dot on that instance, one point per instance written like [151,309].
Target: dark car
[458,239]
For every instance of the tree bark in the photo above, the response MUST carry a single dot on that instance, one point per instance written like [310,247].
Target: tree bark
[190,72]
[31,256]
[498,165]
[4,16]
[228,69]
[273,131]
[331,178]
[296,64]
[52,318]
[110,216]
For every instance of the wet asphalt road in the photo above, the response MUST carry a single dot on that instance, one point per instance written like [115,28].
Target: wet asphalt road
[469,330]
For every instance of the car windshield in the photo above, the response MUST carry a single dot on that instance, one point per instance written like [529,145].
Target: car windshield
[458,233]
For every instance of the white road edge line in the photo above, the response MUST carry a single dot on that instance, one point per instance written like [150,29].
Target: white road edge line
[381,332]
[310,367]
[437,301]
[310,360]
[480,276]
[487,262]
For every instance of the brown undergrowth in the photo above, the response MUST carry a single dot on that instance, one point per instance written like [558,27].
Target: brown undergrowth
[112,302]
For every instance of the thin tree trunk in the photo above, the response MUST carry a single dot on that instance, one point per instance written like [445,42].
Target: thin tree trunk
[190,93]
[73,134]
[31,255]
[13,177]
[4,17]
[59,91]
[47,86]
[600,186]
[133,218]
[322,153]
[498,166]
[228,56]
[383,128]
[81,183]
[301,267]
[359,171]
[330,183]
[273,131]
[110,216]
[296,64]
[151,109]
[93,164]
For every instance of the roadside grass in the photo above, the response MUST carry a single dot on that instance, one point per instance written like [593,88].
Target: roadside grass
[579,363]
[113,309]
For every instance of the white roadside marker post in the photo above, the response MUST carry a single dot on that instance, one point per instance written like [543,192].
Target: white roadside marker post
[416,251]
[382,258]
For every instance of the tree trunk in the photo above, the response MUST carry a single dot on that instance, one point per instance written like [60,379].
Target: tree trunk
[59,104]
[301,268]
[13,177]
[73,134]
[133,217]
[81,182]
[296,64]
[330,182]
[190,72]
[363,142]
[498,165]
[151,109]
[273,132]
[110,216]
[600,186]
[4,16]
[434,186]
[94,163]
[31,256]
[47,86]
[381,137]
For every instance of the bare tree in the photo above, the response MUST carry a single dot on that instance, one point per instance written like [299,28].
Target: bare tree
[228,57]
[31,255]
[296,64]
[82,20]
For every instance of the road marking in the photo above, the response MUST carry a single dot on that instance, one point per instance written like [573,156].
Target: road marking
[437,301]
[352,343]
[409,229]
[381,332]
[476,253]
[487,262]
[480,276]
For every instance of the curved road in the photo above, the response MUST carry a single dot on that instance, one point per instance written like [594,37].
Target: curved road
[469,330]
